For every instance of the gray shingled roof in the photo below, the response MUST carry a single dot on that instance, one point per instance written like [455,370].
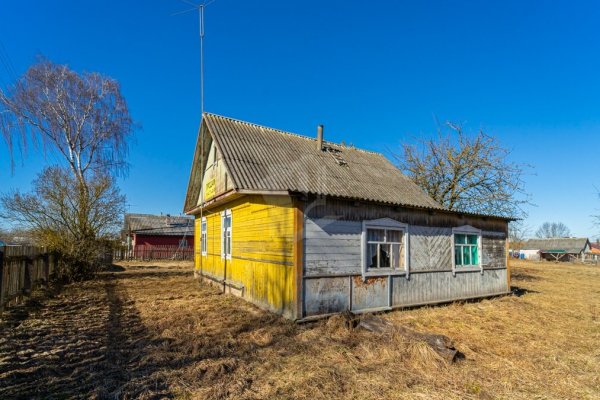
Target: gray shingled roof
[164,225]
[568,245]
[259,158]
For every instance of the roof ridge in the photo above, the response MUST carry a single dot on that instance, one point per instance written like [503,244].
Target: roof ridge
[292,133]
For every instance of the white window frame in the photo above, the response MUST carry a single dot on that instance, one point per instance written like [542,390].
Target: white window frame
[224,214]
[203,236]
[389,224]
[467,230]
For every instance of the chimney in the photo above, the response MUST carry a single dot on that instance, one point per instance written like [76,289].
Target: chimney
[320,137]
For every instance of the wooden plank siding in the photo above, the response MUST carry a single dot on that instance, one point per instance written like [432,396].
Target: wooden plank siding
[348,210]
[333,247]
[261,268]
[333,281]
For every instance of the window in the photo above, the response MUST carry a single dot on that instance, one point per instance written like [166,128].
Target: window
[384,247]
[226,234]
[467,249]
[203,237]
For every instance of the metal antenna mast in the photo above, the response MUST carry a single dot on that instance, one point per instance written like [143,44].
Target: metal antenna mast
[200,8]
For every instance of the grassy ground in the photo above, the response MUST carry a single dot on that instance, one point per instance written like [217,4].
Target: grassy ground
[152,331]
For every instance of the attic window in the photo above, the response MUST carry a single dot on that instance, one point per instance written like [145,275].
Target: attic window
[337,156]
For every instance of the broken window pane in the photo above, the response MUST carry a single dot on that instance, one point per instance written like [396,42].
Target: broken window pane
[384,255]
[372,256]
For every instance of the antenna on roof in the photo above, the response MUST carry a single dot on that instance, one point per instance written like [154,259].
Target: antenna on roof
[200,8]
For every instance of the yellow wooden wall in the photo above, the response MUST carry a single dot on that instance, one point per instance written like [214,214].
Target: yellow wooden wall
[262,250]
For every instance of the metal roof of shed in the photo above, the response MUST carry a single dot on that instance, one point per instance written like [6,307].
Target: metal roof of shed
[163,225]
[567,245]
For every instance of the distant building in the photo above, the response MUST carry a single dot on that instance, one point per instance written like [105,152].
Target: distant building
[595,250]
[556,249]
[140,231]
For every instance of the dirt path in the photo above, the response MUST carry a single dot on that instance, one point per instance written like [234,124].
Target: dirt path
[85,342]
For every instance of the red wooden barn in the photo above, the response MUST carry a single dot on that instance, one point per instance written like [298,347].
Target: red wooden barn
[143,231]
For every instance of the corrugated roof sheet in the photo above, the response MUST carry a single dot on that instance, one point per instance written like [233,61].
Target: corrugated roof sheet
[265,159]
[569,245]
[159,224]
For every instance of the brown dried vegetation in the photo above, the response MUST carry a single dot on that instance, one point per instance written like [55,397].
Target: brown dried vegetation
[152,331]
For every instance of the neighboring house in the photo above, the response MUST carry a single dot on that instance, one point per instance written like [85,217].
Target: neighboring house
[595,250]
[141,231]
[306,228]
[556,249]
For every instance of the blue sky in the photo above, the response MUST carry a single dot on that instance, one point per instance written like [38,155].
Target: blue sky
[374,73]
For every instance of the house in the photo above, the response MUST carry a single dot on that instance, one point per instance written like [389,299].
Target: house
[145,231]
[305,227]
[595,250]
[556,249]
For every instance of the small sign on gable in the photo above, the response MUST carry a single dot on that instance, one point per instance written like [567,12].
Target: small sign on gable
[210,190]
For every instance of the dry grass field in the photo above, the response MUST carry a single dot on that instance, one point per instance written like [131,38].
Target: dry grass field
[144,331]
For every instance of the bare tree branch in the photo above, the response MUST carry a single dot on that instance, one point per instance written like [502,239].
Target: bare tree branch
[553,230]
[78,114]
[466,173]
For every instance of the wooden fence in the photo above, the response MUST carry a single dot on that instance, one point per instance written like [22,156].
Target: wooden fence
[22,269]
[147,253]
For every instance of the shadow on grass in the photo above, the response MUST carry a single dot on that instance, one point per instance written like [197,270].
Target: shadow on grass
[523,276]
[518,291]
[88,342]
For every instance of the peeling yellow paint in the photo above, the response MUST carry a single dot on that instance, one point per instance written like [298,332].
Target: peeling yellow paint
[262,259]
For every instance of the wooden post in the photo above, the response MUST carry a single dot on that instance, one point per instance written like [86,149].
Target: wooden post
[2,281]
[298,257]
[47,269]
[507,265]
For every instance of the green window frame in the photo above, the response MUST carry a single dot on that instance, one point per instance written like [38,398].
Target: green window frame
[466,250]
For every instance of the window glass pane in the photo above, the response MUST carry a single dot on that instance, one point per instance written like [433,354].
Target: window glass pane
[466,255]
[474,255]
[457,256]
[394,236]
[472,239]
[396,257]
[372,256]
[375,235]
[460,238]
[227,222]
[384,255]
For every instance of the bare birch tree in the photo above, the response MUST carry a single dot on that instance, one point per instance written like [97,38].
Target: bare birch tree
[552,230]
[84,119]
[466,173]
